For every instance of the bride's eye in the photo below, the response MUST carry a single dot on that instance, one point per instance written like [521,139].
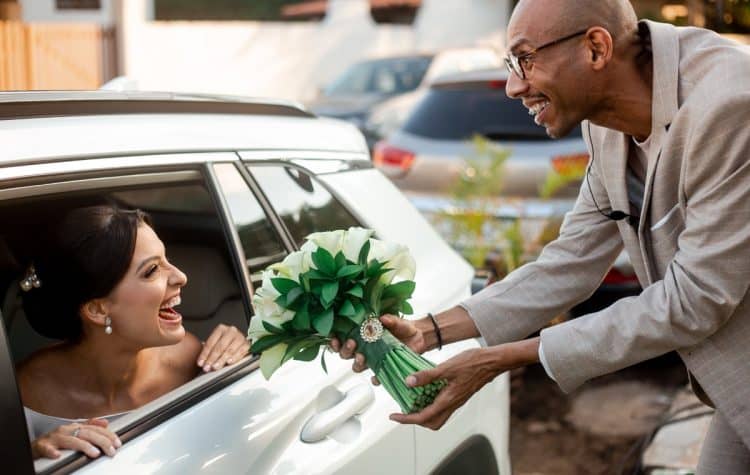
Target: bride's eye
[151,270]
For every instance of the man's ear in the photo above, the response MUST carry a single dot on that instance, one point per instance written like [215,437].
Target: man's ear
[95,311]
[600,47]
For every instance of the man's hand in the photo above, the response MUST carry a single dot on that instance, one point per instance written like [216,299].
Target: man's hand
[466,374]
[404,330]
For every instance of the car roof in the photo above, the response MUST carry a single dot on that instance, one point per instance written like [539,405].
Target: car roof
[43,126]
[494,74]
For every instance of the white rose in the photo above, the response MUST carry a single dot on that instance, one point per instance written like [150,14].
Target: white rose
[330,240]
[353,241]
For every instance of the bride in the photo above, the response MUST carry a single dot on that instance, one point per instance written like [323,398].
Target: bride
[102,284]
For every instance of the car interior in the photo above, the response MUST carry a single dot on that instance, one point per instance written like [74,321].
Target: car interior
[185,219]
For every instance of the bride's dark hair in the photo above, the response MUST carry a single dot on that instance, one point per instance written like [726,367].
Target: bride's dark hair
[84,256]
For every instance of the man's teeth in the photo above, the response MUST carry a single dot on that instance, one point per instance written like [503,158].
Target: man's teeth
[538,107]
[173,302]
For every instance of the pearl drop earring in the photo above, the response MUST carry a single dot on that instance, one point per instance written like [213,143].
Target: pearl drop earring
[108,327]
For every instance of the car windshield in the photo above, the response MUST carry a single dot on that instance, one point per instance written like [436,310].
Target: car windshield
[459,111]
[384,76]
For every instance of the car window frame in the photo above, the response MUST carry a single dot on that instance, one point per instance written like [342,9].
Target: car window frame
[180,399]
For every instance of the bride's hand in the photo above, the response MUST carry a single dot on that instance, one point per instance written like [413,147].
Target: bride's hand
[91,437]
[225,345]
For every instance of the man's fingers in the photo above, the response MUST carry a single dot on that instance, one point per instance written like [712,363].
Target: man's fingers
[359,364]
[375,381]
[347,351]
[335,344]
[421,378]
[433,416]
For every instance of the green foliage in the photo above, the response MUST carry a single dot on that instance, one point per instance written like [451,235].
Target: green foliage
[332,298]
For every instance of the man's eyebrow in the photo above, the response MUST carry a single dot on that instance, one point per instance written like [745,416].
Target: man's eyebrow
[144,262]
[517,44]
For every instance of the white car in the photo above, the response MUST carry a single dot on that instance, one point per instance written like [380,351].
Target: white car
[232,185]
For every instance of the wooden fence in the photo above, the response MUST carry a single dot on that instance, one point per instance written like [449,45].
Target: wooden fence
[55,56]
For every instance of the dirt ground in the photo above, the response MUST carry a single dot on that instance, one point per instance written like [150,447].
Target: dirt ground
[586,432]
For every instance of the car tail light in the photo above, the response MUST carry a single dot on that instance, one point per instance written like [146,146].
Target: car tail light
[386,155]
[497,84]
[614,277]
[574,164]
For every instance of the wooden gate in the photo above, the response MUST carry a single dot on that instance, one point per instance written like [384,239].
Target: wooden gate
[55,56]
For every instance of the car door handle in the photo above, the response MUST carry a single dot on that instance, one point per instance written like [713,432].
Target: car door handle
[320,425]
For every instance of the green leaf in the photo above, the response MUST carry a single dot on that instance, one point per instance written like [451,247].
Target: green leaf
[349,270]
[324,261]
[295,345]
[340,260]
[272,329]
[293,295]
[283,285]
[323,322]
[364,252]
[342,326]
[356,291]
[323,361]
[308,354]
[347,309]
[406,308]
[301,319]
[266,342]
[401,290]
[360,313]
[317,275]
[328,294]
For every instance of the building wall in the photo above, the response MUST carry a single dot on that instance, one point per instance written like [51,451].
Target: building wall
[290,60]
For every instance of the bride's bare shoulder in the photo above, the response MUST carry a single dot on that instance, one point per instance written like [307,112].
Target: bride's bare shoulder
[43,371]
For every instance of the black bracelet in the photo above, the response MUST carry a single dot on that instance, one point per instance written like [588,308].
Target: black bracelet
[437,331]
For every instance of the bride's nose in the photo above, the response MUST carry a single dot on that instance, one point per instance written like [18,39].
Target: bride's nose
[177,277]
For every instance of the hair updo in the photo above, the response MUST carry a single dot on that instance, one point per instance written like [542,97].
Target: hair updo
[83,256]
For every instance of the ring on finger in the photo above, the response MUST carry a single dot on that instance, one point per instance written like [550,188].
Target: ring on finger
[76,431]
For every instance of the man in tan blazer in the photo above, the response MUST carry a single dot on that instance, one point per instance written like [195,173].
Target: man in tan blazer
[666,115]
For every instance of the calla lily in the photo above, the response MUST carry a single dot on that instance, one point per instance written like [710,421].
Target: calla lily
[353,241]
[330,241]
[270,359]
[266,308]
[293,265]
[256,330]
[398,257]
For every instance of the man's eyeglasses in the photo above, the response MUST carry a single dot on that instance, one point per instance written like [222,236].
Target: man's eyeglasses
[519,64]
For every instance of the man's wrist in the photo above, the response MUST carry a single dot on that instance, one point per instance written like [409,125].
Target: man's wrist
[427,329]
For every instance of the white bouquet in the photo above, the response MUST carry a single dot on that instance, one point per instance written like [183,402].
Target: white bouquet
[337,284]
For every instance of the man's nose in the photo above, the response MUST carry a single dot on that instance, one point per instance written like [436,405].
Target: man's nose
[515,86]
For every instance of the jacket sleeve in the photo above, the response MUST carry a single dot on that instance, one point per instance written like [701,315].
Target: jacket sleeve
[566,273]
[704,283]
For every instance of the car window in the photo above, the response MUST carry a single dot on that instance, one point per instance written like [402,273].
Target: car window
[260,241]
[301,201]
[186,219]
[457,112]
[385,76]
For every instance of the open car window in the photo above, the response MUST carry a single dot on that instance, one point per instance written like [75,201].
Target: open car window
[187,217]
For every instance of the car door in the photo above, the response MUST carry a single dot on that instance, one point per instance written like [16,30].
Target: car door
[231,420]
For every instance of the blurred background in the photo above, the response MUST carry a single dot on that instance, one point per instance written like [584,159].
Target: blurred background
[424,82]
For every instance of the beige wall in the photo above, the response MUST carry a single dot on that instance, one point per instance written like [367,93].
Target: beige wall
[290,60]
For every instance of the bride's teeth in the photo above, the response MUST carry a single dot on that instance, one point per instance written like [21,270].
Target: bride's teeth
[173,302]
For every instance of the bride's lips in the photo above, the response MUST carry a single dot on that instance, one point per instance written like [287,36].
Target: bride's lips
[168,315]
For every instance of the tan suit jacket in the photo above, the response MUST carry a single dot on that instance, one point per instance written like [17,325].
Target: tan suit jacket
[691,251]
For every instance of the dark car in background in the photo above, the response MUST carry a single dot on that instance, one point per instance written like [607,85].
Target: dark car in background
[364,85]
[437,147]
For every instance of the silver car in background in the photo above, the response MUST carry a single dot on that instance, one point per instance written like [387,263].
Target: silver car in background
[433,149]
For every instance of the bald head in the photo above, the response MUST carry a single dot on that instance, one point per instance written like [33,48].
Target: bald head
[553,18]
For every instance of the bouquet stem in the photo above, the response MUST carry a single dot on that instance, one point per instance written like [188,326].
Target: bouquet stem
[392,362]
